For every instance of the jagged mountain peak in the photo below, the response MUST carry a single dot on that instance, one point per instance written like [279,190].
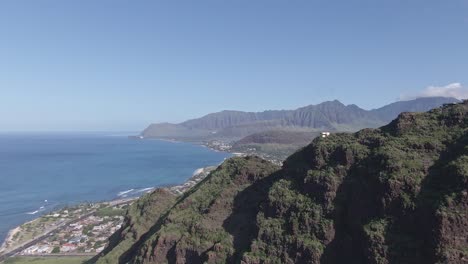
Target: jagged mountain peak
[329,115]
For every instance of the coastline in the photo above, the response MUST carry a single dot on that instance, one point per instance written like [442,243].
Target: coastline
[9,248]
[93,167]
[197,177]
[9,245]
[9,237]
[13,245]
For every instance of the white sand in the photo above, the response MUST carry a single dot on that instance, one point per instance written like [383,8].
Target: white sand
[9,238]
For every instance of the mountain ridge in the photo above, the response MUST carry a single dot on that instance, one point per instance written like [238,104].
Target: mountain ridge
[395,194]
[329,115]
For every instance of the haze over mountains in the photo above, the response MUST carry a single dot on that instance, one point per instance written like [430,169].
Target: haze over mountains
[330,116]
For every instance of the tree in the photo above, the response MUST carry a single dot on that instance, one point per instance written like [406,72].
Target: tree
[56,250]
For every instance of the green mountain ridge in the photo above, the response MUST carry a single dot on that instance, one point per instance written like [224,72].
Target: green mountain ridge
[396,194]
[274,144]
[331,115]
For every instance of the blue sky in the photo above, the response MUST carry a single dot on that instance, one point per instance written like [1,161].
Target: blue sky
[119,65]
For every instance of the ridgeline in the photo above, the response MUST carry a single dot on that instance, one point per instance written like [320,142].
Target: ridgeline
[396,194]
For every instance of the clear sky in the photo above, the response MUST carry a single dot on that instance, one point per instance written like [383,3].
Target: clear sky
[120,65]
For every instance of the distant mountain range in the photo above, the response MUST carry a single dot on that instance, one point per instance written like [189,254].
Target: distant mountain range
[330,116]
[396,194]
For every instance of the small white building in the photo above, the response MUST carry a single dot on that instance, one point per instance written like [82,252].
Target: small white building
[98,228]
[44,249]
[31,250]
[325,134]
[67,247]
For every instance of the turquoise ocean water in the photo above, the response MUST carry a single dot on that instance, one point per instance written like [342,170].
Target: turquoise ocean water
[42,172]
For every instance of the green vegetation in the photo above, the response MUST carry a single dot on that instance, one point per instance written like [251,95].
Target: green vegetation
[31,229]
[110,211]
[201,219]
[330,116]
[139,218]
[271,151]
[397,194]
[275,144]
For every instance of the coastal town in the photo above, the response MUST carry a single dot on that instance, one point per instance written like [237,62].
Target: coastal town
[80,230]
[88,235]
[218,145]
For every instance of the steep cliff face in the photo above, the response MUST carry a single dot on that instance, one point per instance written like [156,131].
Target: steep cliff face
[225,119]
[214,222]
[392,195]
[139,220]
[398,194]
[329,115]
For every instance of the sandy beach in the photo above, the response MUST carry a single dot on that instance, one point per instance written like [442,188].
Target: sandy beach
[9,238]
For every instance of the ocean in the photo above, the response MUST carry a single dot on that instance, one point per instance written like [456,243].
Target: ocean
[42,172]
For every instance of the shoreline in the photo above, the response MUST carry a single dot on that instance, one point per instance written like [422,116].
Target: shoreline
[9,237]
[197,176]
[58,208]
[6,247]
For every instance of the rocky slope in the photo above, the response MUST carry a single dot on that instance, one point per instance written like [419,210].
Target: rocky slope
[392,195]
[398,194]
[213,222]
[332,115]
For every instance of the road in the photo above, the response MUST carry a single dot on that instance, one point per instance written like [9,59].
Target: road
[44,235]
[25,245]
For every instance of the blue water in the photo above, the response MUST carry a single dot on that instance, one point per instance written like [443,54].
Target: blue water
[71,168]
